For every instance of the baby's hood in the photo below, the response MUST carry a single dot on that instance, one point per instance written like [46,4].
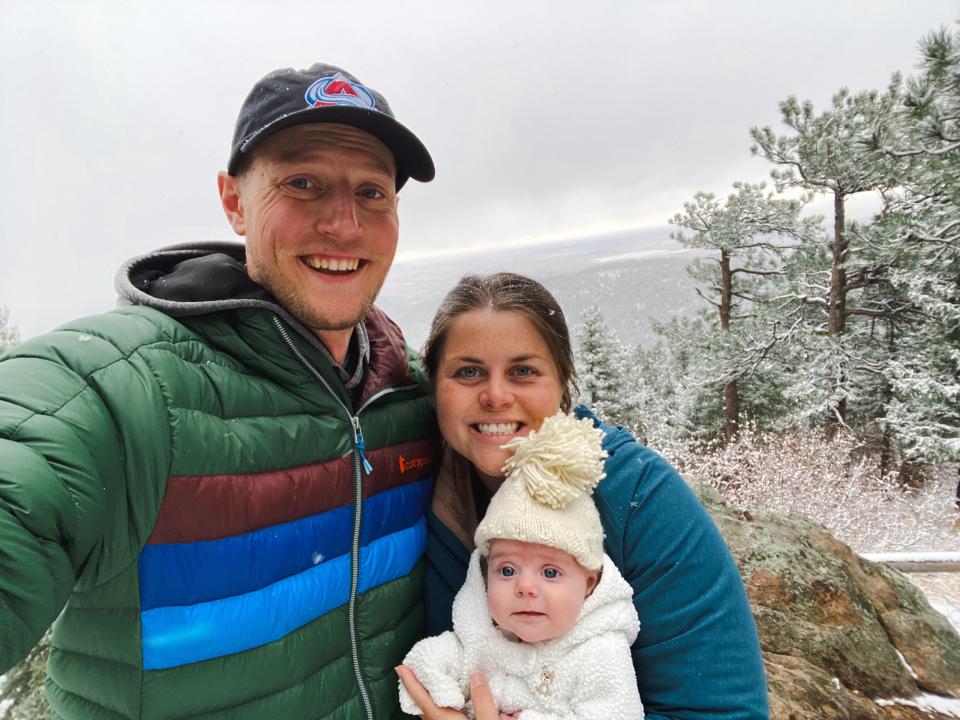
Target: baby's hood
[471,616]
[608,609]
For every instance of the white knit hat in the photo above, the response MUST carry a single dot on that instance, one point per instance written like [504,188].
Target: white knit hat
[546,496]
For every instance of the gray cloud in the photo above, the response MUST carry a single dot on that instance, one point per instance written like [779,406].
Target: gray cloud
[546,118]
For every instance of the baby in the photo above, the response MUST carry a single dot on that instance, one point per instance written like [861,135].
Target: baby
[544,614]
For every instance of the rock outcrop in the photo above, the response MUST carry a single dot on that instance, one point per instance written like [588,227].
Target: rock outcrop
[841,636]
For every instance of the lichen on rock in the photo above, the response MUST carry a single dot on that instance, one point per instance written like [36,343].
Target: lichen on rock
[837,631]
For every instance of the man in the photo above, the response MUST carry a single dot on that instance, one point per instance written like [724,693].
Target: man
[222,484]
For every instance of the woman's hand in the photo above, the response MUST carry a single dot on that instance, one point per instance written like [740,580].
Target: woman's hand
[483,705]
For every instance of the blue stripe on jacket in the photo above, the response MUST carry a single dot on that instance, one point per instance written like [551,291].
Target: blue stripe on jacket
[190,573]
[174,636]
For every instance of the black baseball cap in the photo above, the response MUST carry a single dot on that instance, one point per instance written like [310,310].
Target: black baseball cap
[325,93]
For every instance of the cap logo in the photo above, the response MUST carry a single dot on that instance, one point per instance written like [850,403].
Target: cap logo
[339,90]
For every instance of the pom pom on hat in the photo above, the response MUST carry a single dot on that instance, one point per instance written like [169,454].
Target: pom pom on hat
[558,462]
[546,497]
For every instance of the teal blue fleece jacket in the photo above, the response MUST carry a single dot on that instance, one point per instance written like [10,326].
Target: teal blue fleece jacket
[697,656]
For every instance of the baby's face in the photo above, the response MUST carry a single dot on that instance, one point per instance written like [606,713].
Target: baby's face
[535,591]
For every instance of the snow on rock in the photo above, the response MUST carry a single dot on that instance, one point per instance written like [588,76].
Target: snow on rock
[926,701]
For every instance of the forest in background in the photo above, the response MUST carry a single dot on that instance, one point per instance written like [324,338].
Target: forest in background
[821,373]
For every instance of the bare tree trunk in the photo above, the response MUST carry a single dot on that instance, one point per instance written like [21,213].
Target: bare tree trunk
[836,318]
[731,406]
[726,289]
[887,449]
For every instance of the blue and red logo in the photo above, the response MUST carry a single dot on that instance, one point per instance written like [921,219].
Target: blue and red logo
[339,90]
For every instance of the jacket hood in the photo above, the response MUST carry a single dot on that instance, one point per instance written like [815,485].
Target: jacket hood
[192,279]
[201,278]
[608,609]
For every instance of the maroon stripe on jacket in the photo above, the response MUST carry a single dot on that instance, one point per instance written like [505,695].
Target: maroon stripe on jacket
[210,507]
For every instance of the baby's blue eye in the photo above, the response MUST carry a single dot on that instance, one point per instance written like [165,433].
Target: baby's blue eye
[508,571]
[551,573]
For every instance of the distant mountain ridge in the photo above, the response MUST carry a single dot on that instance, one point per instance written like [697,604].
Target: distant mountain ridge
[633,275]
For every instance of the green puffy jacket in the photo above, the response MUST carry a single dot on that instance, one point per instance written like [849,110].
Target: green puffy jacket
[227,530]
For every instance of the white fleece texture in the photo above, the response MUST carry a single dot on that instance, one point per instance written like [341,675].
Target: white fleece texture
[586,674]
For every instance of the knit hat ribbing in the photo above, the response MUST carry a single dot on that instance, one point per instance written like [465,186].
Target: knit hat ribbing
[546,497]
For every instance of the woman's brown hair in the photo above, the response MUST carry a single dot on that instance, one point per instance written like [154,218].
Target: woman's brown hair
[506,292]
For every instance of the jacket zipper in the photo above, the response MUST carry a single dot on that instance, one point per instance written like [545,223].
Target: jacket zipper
[359,460]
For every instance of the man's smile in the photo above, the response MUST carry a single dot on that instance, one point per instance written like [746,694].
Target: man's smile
[333,265]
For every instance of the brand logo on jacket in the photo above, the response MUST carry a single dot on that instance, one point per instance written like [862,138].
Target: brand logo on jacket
[413,463]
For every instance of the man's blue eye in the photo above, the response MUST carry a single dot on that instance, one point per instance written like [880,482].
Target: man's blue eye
[371,193]
[508,571]
[551,573]
[300,183]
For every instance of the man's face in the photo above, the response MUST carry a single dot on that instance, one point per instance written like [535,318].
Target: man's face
[318,207]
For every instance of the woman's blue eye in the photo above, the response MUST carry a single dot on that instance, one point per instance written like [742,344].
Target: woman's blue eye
[508,571]
[551,573]
[468,372]
[524,371]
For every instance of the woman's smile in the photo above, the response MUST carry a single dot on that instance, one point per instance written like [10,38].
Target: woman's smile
[497,432]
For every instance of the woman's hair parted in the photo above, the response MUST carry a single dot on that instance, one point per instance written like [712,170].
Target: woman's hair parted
[506,292]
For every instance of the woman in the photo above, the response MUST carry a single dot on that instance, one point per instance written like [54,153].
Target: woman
[500,360]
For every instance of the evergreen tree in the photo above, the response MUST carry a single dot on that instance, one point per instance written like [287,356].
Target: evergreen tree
[824,153]
[749,234]
[919,231]
[8,333]
[686,399]
[605,371]
[21,689]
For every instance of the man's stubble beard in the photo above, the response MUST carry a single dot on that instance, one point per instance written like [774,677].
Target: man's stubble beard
[310,318]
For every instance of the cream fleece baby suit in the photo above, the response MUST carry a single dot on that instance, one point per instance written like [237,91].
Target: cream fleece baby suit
[585,674]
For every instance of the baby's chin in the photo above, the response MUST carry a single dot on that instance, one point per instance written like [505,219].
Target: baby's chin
[531,639]
[533,635]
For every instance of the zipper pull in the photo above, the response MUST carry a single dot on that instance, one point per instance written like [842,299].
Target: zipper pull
[368,468]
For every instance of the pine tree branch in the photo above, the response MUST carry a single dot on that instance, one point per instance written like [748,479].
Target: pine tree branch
[715,304]
[954,145]
[747,271]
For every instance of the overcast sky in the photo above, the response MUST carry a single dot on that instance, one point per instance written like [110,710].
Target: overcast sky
[546,119]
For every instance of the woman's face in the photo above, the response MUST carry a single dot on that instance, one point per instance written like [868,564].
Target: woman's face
[496,379]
